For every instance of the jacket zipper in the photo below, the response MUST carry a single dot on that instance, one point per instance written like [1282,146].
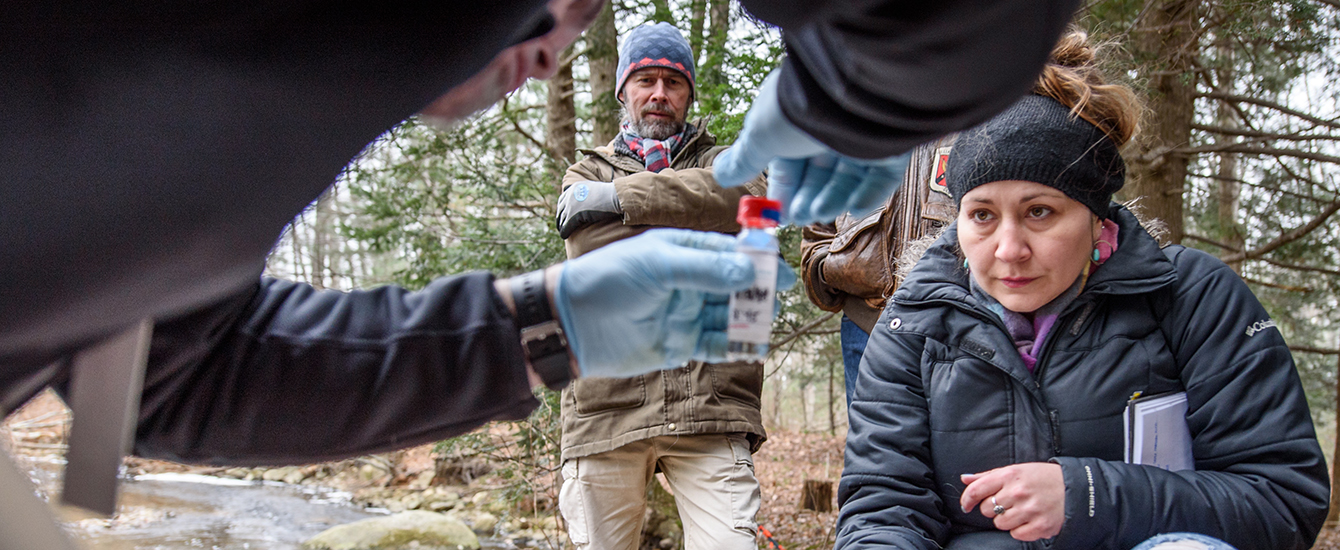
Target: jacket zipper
[1057,329]
[1053,416]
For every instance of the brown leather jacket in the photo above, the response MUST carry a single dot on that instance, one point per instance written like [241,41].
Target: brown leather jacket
[850,265]
[603,414]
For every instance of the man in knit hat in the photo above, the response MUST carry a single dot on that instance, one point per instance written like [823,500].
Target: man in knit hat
[698,424]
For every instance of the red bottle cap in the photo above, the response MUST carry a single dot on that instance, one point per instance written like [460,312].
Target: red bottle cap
[759,212]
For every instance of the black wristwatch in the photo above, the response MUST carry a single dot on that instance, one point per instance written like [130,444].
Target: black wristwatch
[542,338]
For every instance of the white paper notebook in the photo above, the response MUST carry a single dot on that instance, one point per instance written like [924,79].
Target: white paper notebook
[1157,433]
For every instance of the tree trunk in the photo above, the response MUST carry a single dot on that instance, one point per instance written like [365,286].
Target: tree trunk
[1165,41]
[1229,187]
[323,240]
[661,12]
[777,401]
[806,405]
[561,119]
[295,240]
[832,413]
[1333,516]
[711,76]
[603,40]
[698,16]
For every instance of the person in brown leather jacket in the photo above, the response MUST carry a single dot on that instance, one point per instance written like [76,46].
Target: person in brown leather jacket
[851,265]
[698,424]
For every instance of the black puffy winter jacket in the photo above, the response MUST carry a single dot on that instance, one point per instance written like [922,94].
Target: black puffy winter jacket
[943,392]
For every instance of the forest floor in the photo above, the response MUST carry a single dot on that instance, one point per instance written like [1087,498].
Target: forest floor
[783,465]
[391,480]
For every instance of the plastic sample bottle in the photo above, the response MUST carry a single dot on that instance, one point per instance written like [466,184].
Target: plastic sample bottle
[751,309]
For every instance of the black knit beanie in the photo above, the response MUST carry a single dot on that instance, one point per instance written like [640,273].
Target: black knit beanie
[1037,139]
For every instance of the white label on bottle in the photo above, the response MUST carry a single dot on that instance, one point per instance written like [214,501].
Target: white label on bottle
[751,308]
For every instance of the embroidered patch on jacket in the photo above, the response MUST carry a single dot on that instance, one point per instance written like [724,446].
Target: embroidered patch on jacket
[938,183]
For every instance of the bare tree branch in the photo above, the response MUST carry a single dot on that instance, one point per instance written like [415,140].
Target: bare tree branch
[1297,267]
[1268,104]
[1285,238]
[1248,149]
[1276,263]
[1270,188]
[516,125]
[802,330]
[1211,242]
[1287,288]
[1293,173]
[1226,131]
[1310,349]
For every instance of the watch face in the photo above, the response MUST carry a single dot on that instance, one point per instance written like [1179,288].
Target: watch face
[548,345]
[543,340]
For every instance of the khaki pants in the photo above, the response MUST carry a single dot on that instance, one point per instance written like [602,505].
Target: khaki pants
[603,498]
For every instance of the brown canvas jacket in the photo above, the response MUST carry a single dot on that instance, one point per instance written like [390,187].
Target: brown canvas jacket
[603,414]
[685,195]
[850,265]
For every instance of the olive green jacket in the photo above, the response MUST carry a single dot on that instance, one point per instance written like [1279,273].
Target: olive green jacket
[603,414]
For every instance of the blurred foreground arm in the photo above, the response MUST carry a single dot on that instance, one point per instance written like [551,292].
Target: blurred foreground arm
[283,373]
[864,82]
[813,182]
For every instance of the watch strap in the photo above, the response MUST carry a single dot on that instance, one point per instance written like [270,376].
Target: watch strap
[542,339]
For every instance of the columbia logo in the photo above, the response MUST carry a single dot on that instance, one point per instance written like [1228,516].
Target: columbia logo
[1259,326]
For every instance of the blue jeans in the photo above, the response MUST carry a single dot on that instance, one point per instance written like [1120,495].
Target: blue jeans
[1170,541]
[853,341]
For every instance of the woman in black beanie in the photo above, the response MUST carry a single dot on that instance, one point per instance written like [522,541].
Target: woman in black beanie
[989,407]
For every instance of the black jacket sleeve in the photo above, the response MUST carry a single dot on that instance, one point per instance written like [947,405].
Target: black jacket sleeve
[873,78]
[153,150]
[153,153]
[284,373]
[1260,479]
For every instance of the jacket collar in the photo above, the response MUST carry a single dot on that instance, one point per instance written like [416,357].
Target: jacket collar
[608,152]
[1138,266]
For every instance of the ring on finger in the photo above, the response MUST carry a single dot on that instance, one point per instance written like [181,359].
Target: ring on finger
[996,508]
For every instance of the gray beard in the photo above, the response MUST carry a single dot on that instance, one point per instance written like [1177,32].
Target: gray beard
[655,129]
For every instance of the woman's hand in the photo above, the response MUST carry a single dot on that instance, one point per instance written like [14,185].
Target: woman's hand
[1031,495]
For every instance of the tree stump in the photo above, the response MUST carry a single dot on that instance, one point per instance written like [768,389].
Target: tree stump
[817,495]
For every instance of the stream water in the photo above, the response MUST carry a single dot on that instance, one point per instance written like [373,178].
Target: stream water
[183,511]
[167,512]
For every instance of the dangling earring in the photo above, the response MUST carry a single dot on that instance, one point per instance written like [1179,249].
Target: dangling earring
[1098,257]
[965,264]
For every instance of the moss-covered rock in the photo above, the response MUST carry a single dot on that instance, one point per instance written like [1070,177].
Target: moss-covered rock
[416,529]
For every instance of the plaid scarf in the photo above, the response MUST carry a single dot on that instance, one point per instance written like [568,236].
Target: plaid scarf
[654,153]
[1030,332]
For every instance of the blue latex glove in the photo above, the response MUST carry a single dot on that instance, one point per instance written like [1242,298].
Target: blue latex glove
[654,301]
[813,182]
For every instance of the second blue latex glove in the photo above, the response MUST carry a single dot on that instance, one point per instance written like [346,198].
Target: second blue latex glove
[813,182]
[653,302]
[822,187]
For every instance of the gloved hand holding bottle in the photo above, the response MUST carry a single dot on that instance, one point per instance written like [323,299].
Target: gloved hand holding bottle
[813,182]
[654,301]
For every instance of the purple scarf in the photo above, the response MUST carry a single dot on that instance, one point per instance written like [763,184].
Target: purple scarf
[655,153]
[1030,332]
